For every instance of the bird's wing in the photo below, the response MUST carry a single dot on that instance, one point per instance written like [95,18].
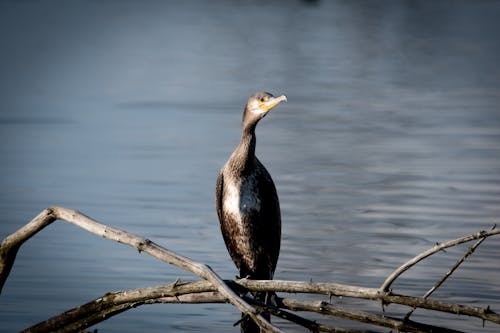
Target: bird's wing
[219,186]
[268,226]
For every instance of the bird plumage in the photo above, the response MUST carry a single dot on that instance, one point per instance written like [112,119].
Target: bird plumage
[249,216]
[247,202]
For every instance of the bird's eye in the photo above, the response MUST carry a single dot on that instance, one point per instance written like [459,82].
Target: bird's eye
[262,99]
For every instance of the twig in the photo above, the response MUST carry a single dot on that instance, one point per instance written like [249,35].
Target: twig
[13,242]
[438,247]
[449,273]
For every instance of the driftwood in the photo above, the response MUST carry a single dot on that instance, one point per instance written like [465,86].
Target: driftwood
[213,289]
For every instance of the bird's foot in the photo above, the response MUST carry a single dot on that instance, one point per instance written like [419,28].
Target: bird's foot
[273,299]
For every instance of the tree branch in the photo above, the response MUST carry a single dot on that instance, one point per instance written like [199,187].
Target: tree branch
[335,289]
[380,320]
[438,247]
[13,242]
[86,315]
[203,292]
[449,273]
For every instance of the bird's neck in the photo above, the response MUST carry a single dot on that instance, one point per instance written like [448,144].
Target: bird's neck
[243,159]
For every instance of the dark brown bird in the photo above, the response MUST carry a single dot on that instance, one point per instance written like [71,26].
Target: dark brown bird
[247,203]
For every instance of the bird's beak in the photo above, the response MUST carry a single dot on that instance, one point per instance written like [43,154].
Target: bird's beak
[272,102]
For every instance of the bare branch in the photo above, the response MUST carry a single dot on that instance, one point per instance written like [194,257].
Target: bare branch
[215,297]
[13,243]
[204,292]
[332,289]
[449,273]
[193,293]
[336,289]
[380,320]
[215,290]
[438,247]
[309,324]
[484,313]
[114,303]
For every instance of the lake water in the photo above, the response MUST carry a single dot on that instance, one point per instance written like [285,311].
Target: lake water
[125,110]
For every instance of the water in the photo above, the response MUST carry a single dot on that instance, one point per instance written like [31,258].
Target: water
[126,111]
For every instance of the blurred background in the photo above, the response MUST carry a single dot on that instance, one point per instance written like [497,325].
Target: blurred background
[126,110]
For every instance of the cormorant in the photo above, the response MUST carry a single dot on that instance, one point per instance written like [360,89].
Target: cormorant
[247,204]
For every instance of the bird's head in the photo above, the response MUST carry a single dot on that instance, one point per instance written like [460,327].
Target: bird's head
[259,105]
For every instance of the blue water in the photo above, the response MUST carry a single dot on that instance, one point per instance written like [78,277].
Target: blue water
[126,110]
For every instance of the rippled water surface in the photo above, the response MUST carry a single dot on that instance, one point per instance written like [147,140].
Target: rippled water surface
[124,110]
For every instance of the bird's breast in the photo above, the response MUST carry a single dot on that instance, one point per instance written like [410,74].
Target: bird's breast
[241,198]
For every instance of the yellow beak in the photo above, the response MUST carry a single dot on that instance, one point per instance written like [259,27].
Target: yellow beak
[272,102]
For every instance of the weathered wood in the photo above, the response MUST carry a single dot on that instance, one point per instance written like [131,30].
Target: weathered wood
[436,248]
[364,317]
[341,290]
[448,273]
[212,289]
[11,244]
[86,315]
[204,292]
[49,215]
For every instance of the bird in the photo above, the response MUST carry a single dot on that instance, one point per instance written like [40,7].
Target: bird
[247,205]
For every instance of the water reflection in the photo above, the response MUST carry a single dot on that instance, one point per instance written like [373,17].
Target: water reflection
[126,111]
